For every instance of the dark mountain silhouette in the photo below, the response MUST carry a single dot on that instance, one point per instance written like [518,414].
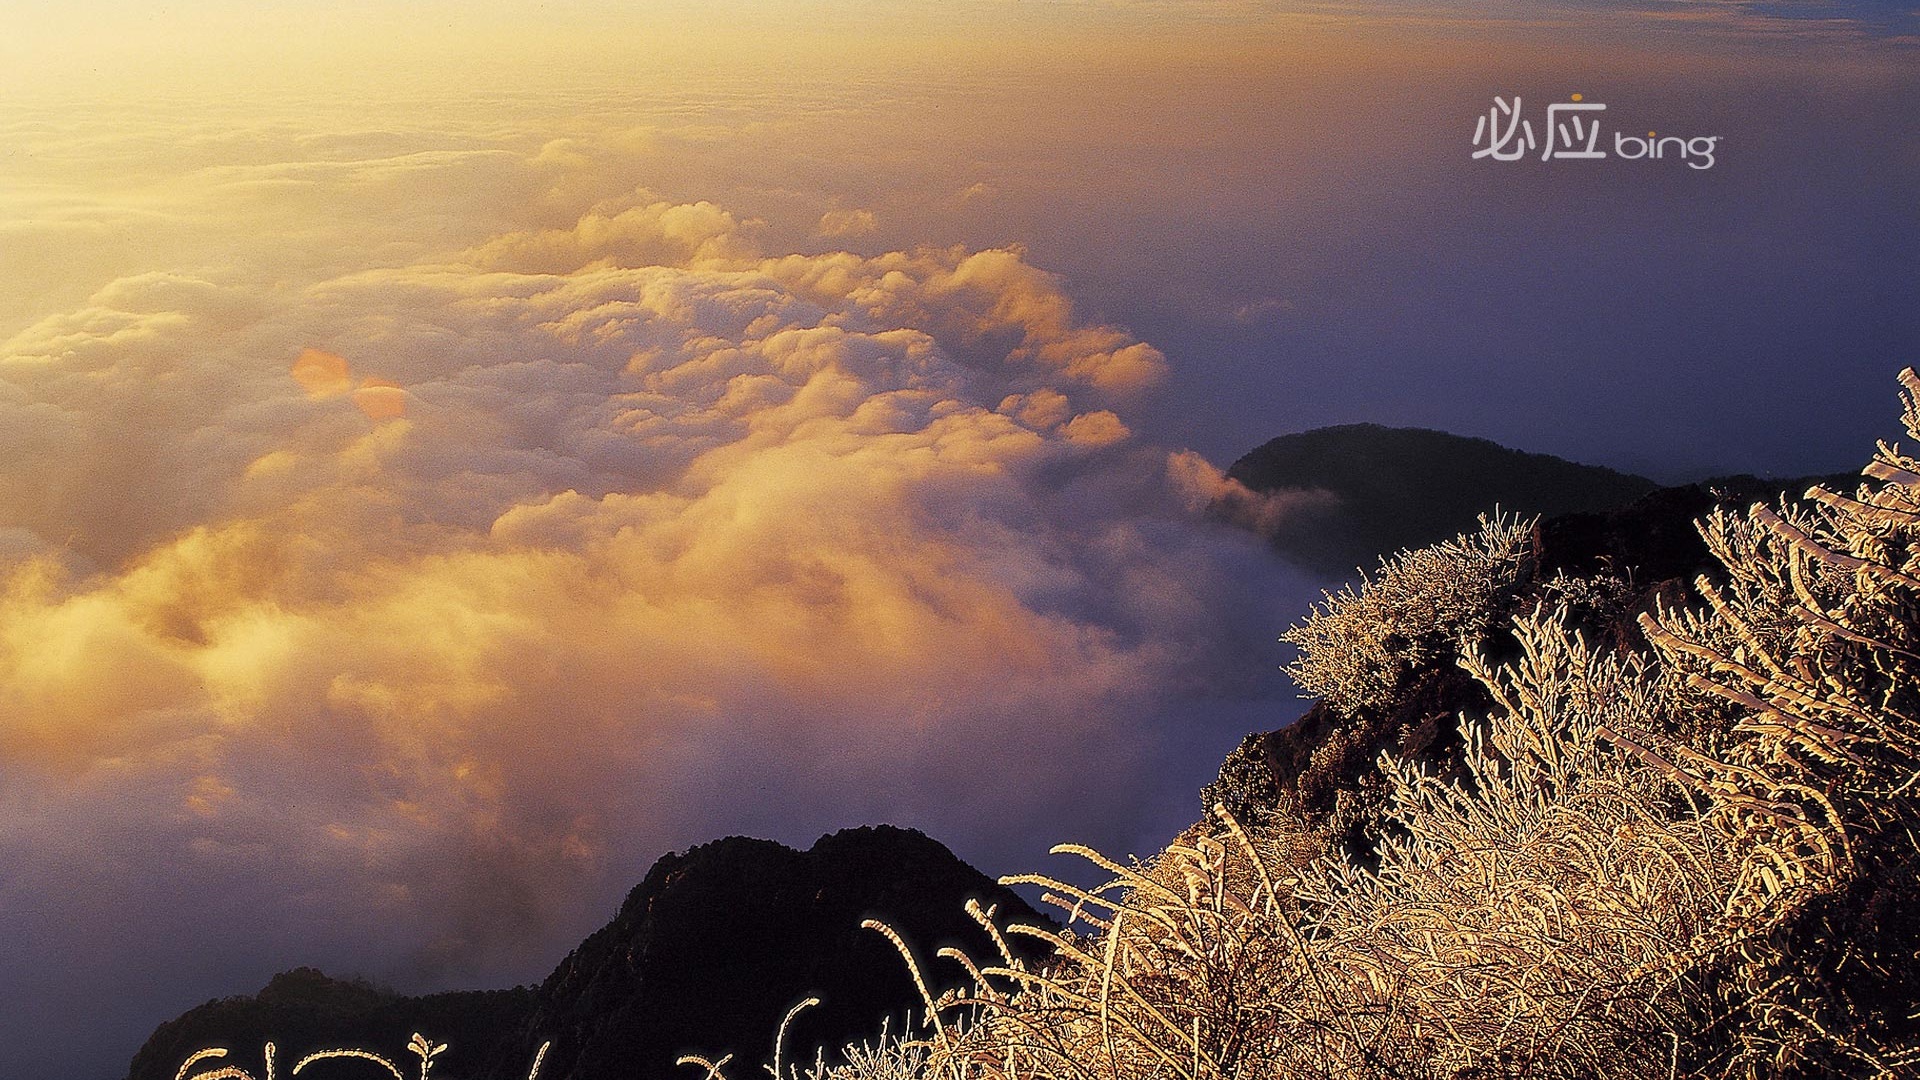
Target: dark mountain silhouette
[303,1010]
[1395,488]
[705,957]
[712,949]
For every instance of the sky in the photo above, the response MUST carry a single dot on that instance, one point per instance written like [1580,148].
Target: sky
[451,455]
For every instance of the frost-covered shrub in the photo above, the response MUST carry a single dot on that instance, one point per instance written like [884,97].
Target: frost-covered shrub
[1357,645]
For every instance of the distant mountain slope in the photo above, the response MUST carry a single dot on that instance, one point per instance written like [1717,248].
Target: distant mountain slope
[1408,487]
[705,956]
[303,1010]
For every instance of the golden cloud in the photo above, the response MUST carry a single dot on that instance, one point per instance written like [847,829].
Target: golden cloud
[322,374]
[637,519]
[842,223]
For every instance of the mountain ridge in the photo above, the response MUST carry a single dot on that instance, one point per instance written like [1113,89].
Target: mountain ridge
[749,922]
[1396,488]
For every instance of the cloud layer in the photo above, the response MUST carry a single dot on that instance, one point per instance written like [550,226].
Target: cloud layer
[391,616]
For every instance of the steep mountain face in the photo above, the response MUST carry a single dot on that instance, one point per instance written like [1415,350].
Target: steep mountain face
[1395,488]
[705,957]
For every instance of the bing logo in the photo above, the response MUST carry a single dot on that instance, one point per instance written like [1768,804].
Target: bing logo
[1572,131]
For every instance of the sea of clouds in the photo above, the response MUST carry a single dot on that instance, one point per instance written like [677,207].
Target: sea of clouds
[409,539]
